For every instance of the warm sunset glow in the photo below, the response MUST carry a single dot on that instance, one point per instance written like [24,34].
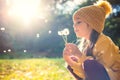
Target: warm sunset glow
[25,10]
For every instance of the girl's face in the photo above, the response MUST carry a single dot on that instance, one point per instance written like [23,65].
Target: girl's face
[82,29]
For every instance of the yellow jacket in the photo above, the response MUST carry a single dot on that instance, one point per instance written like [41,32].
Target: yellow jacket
[107,53]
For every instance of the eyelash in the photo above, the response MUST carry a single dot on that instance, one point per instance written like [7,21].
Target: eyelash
[78,22]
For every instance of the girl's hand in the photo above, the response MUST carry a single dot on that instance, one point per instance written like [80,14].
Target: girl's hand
[71,54]
[72,49]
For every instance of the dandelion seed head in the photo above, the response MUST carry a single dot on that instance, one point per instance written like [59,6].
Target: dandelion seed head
[60,33]
[66,31]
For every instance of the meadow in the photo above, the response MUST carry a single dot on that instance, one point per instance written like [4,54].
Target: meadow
[34,69]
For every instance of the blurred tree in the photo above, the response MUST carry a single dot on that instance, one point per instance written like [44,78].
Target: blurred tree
[5,38]
[112,28]
[114,2]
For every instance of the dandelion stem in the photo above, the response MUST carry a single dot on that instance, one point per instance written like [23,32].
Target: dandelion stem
[64,39]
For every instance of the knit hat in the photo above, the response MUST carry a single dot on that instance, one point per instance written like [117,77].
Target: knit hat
[94,15]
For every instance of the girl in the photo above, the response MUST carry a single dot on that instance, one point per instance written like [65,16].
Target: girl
[95,57]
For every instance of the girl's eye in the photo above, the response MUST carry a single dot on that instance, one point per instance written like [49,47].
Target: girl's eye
[78,22]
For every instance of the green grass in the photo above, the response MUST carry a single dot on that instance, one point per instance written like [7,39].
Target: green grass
[34,69]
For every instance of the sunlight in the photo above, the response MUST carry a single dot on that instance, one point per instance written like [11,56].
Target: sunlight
[26,10]
[79,1]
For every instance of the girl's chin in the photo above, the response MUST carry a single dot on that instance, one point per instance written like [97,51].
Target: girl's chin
[78,36]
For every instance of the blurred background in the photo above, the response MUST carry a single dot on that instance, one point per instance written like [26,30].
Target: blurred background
[29,28]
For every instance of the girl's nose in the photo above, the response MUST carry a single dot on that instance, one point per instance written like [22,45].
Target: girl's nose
[75,28]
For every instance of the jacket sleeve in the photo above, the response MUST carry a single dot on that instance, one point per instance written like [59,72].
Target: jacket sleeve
[78,68]
[71,71]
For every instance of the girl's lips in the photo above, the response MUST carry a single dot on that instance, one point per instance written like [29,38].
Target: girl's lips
[76,30]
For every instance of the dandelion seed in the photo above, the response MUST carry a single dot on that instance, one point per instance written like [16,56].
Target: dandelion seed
[49,31]
[37,35]
[9,50]
[2,29]
[25,51]
[4,51]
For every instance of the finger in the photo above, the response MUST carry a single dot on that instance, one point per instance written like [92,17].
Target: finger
[68,48]
[70,61]
[69,44]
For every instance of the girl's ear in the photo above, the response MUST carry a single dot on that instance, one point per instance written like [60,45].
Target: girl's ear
[88,25]
[90,28]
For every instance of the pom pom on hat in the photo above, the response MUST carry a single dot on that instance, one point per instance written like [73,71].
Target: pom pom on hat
[105,5]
